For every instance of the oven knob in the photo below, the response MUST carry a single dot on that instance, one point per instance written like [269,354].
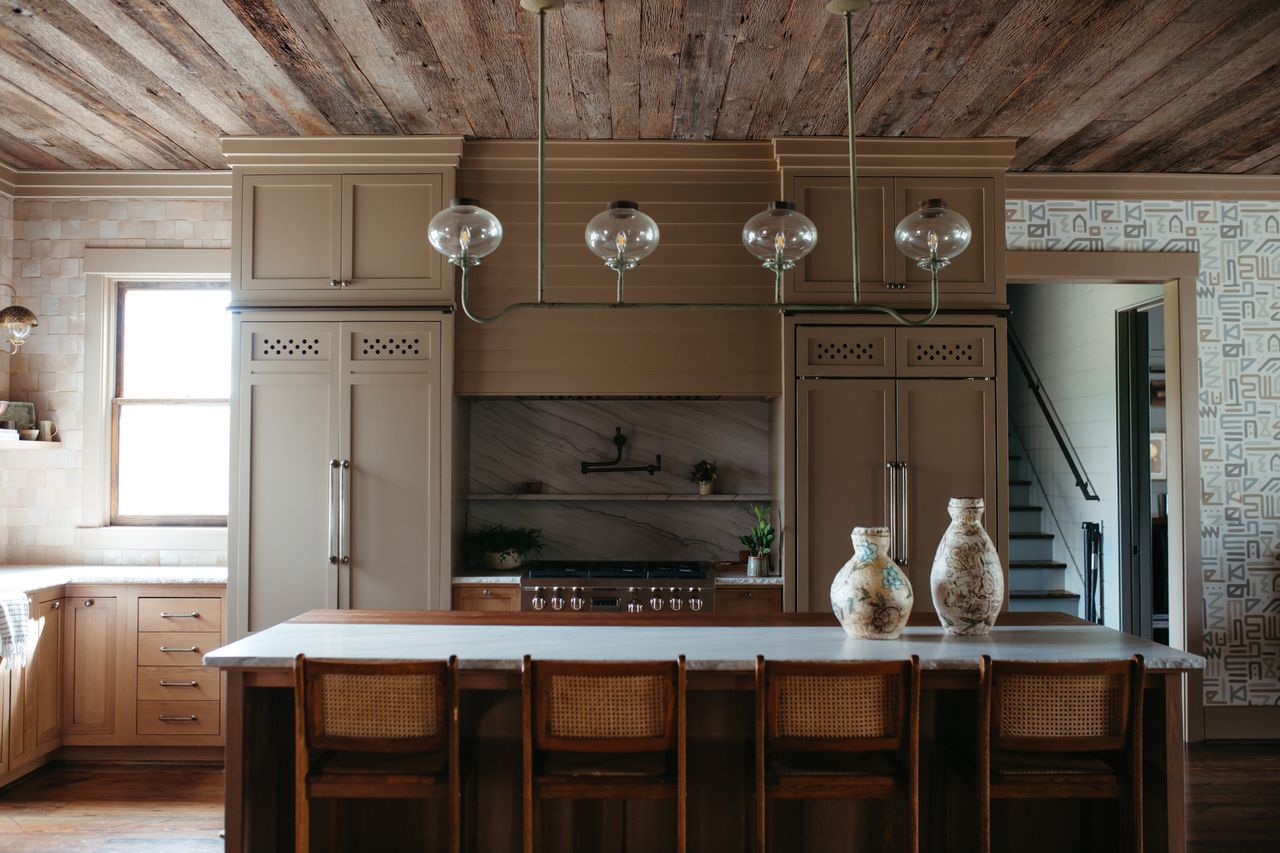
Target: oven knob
[695,602]
[676,603]
[538,601]
[576,600]
[656,602]
[557,599]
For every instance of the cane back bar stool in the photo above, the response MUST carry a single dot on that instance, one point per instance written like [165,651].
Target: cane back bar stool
[603,731]
[1060,731]
[376,730]
[838,731]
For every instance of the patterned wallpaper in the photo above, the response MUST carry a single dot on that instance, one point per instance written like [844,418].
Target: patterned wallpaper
[41,490]
[1238,320]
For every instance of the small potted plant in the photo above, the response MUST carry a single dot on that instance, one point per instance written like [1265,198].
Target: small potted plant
[704,474]
[759,542]
[503,548]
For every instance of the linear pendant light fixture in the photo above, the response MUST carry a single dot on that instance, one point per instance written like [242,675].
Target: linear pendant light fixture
[622,235]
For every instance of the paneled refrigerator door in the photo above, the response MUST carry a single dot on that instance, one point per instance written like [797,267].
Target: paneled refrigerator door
[845,430]
[391,493]
[947,448]
[285,519]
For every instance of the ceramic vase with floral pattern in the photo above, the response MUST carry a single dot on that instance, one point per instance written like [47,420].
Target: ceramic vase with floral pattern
[967,582]
[870,595]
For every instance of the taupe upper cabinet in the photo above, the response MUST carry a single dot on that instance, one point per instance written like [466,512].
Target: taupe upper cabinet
[888,276]
[340,480]
[345,239]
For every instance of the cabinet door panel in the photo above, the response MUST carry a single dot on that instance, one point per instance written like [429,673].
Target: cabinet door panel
[22,740]
[826,274]
[758,601]
[47,667]
[845,431]
[973,271]
[384,228]
[91,665]
[290,232]
[947,437]
[287,437]
[391,410]
[491,599]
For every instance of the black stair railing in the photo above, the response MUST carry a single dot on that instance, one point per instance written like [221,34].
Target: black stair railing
[1051,415]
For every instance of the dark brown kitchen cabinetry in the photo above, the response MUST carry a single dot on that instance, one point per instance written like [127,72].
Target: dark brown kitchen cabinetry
[751,600]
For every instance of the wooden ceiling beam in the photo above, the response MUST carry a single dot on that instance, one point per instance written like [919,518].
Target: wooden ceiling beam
[804,28]
[763,42]
[497,28]
[705,57]
[823,81]
[661,37]
[622,57]
[562,107]
[587,52]
[49,125]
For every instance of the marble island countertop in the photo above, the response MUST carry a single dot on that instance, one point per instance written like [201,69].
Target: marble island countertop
[497,642]
[30,578]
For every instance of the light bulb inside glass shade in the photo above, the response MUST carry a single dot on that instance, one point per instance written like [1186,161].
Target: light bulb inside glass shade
[621,235]
[17,322]
[780,231]
[464,232]
[933,229]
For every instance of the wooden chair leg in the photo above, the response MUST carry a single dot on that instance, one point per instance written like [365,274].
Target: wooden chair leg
[302,823]
[886,843]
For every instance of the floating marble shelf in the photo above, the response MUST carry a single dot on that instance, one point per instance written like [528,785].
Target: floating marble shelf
[561,496]
[31,445]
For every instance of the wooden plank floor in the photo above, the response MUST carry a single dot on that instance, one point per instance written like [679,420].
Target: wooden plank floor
[1234,789]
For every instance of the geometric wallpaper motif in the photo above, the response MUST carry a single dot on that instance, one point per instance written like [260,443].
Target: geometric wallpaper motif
[1238,324]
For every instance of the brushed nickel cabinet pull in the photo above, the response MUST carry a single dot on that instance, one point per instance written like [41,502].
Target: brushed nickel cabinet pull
[175,718]
[57,605]
[179,648]
[164,683]
[334,464]
[906,516]
[891,480]
[165,614]
[88,602]
[333,282]
[344,524]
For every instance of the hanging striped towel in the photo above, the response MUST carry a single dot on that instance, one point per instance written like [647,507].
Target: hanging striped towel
[17,638]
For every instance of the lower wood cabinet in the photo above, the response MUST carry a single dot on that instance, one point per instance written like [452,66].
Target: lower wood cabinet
[33,719]
[91,666]
[502,599]
[748,600]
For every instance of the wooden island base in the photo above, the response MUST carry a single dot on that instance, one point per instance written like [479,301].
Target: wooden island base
[260,746]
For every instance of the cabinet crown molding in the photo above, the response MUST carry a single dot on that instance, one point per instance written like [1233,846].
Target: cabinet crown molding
[342,152]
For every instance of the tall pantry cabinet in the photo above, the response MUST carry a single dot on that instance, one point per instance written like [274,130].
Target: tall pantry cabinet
[341,410]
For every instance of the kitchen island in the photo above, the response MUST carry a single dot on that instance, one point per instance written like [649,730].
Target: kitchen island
[721,652]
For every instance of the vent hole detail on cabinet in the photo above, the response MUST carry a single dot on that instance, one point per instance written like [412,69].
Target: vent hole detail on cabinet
[945,353]
[390,348]
[289,347]
[858,351]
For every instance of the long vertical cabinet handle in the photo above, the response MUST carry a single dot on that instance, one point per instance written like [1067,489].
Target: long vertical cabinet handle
[333,512]
[344,512]
[891,481]
[905,550]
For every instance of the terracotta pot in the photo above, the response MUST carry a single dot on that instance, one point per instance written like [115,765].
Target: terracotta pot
[503,561]
[870,595]
[967,582]
[707,487]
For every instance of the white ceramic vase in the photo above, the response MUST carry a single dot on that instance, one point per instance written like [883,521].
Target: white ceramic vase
[870,595]
[503,561]
[967,582]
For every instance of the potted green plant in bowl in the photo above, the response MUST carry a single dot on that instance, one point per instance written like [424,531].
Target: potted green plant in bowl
[704,474]
[503,548]
[759,542]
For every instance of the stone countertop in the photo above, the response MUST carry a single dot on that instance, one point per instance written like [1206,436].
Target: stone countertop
[31,578]
[487,580]
[498,643]
[730,578]
[739,577]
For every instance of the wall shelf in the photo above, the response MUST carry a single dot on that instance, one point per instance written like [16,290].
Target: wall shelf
[31,445]
[568,497]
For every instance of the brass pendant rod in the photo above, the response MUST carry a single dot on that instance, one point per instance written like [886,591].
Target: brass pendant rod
[542,146]
[854,249]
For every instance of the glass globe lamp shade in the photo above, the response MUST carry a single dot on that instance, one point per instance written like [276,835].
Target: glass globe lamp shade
[464,232]
[933,229]
[780,234]
[621,235]
[17,323]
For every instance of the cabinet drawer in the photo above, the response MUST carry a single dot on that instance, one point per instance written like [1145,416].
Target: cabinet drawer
[492,598]
[179,718]
[947,352]
[175,648]
[748,600]
[179,683]
[844,351]
[179,614]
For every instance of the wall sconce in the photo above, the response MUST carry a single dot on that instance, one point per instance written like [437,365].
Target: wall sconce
[16,321]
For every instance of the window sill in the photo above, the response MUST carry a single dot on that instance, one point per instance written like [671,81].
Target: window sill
[153,538]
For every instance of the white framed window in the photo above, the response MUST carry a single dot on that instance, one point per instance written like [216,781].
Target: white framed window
[157,388]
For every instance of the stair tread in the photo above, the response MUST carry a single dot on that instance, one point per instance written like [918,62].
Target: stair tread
[1019,482]
[1036,564]
[1042,593]
[1025,508]
[1030,535]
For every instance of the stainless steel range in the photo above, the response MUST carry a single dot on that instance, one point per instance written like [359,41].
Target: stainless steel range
[631,587]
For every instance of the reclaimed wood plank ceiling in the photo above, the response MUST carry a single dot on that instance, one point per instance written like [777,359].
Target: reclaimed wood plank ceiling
[1085,85]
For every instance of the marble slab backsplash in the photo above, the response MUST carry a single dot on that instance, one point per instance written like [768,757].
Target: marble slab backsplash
[514,442]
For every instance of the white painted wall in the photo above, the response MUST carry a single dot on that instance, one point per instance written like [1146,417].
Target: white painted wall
[1069,331]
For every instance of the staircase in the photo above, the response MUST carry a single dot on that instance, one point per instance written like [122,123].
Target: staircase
[1036,581]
